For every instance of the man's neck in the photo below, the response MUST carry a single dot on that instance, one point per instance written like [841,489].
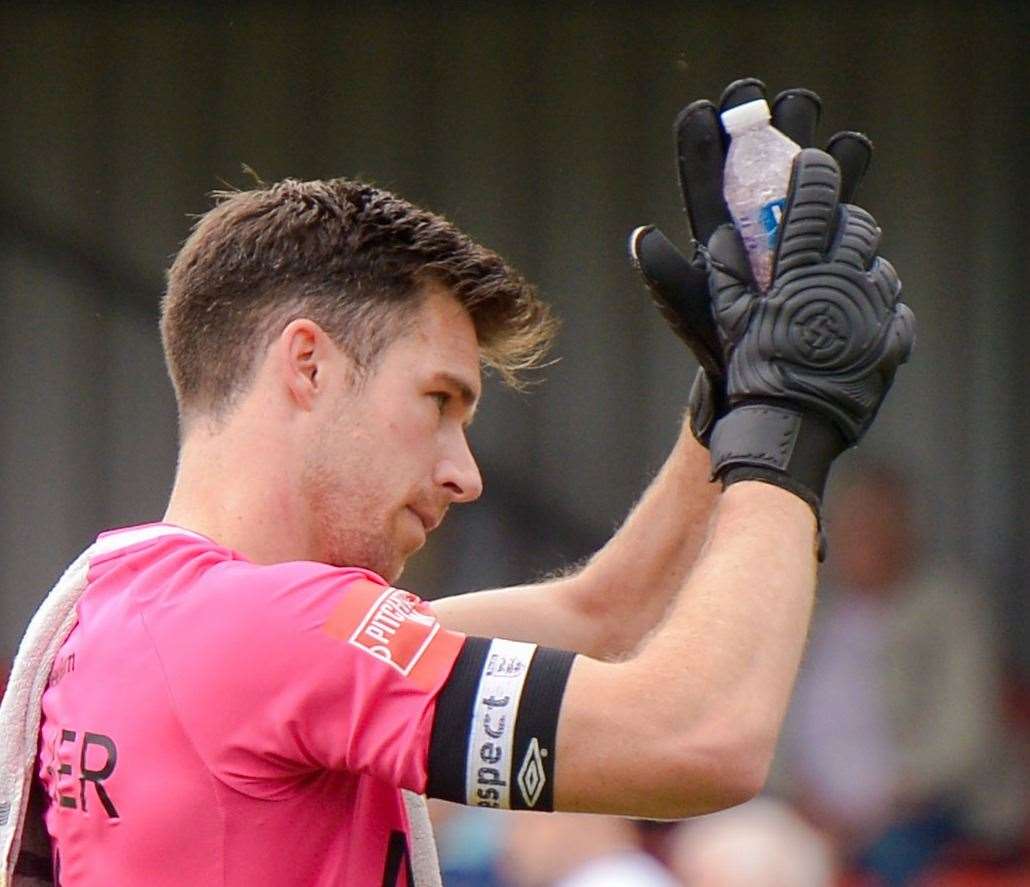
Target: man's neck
[235,491]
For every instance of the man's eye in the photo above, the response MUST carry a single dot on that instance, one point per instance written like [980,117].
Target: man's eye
[441,398]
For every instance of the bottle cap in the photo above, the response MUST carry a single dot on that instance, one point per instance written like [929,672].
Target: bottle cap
[743,116]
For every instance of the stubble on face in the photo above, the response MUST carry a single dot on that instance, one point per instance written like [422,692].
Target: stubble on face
[349,530]
[349,525]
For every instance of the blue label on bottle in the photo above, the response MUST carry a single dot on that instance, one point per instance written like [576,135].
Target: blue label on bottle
[769,215]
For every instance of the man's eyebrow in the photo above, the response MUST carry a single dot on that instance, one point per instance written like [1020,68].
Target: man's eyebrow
[465,391]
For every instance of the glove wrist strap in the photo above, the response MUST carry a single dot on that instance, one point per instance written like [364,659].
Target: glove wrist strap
[777,444]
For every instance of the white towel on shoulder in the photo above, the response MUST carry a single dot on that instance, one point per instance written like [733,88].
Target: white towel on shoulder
[21,709]
[425,863]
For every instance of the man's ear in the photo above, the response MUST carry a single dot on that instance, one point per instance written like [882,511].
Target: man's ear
[304,354]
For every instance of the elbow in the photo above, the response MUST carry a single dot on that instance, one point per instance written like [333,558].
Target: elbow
[744,774]
[608,631]
[721,771]
[735,782]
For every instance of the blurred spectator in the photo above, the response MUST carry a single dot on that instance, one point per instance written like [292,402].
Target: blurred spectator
[894,742]
[577,850]
[468,842]
[658,837]
[762,843]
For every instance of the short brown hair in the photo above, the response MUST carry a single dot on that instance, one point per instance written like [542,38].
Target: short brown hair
[348,255]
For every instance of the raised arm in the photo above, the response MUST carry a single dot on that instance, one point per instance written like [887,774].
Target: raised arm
[689,723]
[609,606]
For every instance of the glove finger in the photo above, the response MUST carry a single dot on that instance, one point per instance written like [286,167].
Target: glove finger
[904,332]
[810,215]
[795,113]
[898,344]
[887,284]
[703,407]
[740,92]
[859,237]
[725,253]
[680,291]
[700,156]
[729,282]
[853,152]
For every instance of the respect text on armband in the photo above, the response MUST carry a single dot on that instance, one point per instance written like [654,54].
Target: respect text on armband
[491,749]
[490,778]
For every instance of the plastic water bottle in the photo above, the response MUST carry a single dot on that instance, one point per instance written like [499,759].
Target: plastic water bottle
[755,181]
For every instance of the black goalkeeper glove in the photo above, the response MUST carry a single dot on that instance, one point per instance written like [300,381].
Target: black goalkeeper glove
[809,362]
[679,285]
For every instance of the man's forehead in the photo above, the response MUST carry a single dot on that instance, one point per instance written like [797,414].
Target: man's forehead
[441,308]
[447,334]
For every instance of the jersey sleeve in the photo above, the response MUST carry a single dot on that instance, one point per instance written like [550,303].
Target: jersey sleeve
[280,671]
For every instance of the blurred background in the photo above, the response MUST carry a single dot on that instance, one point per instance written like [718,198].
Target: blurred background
[545,131]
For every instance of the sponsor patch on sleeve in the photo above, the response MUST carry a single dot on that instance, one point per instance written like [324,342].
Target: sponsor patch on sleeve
[398,629]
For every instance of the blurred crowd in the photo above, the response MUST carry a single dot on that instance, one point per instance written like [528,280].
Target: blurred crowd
[903,761]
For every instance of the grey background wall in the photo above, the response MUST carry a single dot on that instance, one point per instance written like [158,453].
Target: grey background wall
[545,131]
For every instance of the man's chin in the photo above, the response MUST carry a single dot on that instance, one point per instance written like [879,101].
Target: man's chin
[371,552]
[390,571]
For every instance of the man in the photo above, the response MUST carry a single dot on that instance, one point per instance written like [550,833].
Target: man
[245,692]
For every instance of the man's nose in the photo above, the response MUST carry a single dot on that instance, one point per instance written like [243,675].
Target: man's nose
[459,473]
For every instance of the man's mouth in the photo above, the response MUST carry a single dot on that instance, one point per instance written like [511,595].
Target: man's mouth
[430,521]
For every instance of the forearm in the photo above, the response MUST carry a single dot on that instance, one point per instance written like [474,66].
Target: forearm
[606,608]
[627,587]
[704,698]
[735,635]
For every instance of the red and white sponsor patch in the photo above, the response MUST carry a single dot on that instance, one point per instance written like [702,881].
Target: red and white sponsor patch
[397,628]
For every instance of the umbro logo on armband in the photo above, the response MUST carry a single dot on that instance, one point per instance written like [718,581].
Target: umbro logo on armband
[532,776]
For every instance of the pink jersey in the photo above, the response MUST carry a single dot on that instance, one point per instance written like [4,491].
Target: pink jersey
[212,721]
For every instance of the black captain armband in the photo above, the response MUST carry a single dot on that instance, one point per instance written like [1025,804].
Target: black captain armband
[493,741]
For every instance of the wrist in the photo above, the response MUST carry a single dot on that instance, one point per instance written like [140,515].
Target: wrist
[781,508]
